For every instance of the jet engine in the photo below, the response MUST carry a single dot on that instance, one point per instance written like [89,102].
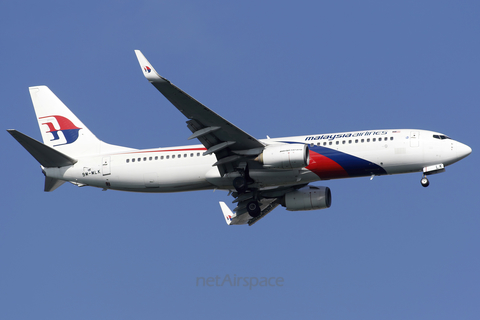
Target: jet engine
[308,198]
[285,156]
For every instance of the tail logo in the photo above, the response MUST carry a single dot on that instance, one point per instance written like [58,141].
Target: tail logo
[69,130]
[147,69]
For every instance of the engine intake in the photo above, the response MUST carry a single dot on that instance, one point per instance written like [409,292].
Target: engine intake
[285,156]
[308,198]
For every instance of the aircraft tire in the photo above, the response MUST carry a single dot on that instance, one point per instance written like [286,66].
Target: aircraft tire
[253,208]
[240,184]
[425,183]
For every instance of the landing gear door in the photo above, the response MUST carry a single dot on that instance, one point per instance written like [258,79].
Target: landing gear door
[414,139]
[106,166]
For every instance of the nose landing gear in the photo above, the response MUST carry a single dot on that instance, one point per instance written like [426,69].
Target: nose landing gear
[437,168]
[425,183]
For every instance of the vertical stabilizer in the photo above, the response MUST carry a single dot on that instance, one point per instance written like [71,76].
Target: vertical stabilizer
[60,128]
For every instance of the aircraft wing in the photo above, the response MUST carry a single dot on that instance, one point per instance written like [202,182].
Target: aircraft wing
[239,214]
[218,135]
[267,199]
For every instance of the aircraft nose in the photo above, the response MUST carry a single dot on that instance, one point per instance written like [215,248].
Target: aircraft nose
[463,150]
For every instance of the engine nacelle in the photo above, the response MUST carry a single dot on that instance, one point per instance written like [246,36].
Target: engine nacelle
[308,198]
[285,156]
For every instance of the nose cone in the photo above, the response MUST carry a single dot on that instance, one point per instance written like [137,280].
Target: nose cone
[463,150]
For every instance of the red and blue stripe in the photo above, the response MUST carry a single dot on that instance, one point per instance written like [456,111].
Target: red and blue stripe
[333,164]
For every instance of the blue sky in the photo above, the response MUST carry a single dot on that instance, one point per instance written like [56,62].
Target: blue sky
[386,249]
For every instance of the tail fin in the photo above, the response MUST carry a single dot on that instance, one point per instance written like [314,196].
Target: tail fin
[60,128]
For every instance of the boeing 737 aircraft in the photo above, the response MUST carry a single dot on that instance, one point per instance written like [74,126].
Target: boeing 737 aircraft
[260,174]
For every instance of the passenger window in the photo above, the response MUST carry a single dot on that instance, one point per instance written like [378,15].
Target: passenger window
[128,160]
[324,143]
[356,140]
[161,158]
[343,142]
[330,143]
[145,159]
[156,157]
[185,155]
[349,141]
[374,139]
[368,140]
[391,138]
[150,158]
[139,159]
[133,160]
[338,142]
[363,140]
[191,154]
[198,154]
[179,155]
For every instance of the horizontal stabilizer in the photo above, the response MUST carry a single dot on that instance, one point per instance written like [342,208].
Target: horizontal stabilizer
[48,157]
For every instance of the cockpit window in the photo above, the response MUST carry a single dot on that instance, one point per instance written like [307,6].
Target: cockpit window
[441,137]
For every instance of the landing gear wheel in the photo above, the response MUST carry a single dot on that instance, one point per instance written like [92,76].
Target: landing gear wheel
[253,208]
[240,184]
[425,183]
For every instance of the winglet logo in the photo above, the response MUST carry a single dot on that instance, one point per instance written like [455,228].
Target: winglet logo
[69,130]
[147,69]
[229,218]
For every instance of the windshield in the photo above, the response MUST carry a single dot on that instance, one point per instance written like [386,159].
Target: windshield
[441,137]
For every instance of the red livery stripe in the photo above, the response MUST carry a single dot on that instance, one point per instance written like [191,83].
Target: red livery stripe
[325,167]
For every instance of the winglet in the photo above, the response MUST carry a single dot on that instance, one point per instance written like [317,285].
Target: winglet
[147,68]
[227,213]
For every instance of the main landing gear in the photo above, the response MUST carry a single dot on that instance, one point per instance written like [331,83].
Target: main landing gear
[253,208]
[241,186]
[425,183]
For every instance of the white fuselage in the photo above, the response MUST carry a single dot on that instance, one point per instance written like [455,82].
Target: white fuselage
[332,156]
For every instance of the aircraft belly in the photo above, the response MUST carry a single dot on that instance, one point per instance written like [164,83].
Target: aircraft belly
[402,159]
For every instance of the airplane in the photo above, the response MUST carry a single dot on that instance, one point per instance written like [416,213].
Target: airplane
[260,174]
